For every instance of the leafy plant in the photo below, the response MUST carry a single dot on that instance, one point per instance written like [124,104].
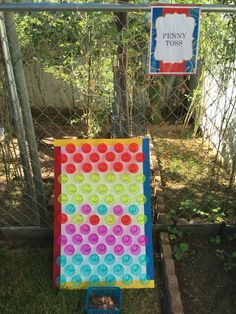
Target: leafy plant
[180,250]
[230,262]
[175,233]
[216,240]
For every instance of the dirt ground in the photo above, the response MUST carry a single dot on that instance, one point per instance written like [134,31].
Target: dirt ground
[204,284]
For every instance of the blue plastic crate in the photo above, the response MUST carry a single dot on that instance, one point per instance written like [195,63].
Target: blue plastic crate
[114,292]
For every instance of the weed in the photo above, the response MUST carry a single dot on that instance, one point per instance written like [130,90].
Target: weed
[180,250]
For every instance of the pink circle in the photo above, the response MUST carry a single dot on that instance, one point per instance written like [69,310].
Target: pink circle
[142,240]
[85,249]
[70,229]
[93,238]
[118,250]
[69,250]
[118,210]
[118,230]
[102,230]
[86,209]
[110,240]
[135,230]
[126,239]
[135,249]
[62,240]
[77,239]
[101,248]
[84,229]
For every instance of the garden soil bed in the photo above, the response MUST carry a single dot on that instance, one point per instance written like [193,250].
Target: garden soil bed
[205,286]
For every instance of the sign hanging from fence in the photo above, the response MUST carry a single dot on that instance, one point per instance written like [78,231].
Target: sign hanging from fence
[174,39]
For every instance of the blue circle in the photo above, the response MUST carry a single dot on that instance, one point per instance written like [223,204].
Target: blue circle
[144,279]
[109,259]
[85,270]
[127,279]
[77,259]
[126,259]
[61,260]
[61,281]
[69,270]
[102,270]
[76,281]
[70,209]
[133,209]
[143,260]
[110,279]
[136,269]
[118,270]
[94,259]
[102,209]
[94,280]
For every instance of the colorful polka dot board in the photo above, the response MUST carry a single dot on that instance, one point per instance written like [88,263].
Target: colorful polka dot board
[102,224]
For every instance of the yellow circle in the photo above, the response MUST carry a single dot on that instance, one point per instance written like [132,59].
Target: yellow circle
[62,198]
[141,199]
[110,177]
[125,199]
[140,178]
[79,178]
[77,199]
[110,220]
[125,177]
[141,219]
[62,178]
[87,188]
[119,188]
[134,188]
[71,189]
[95,177]
[102,188]
[109,199]
[94,199]
[78,219]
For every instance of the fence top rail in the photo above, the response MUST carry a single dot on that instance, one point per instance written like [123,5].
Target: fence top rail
[99,7]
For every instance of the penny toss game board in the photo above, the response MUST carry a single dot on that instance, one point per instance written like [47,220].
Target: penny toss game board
[102,222]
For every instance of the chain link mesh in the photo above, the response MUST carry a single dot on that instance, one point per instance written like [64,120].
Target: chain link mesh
[86,76]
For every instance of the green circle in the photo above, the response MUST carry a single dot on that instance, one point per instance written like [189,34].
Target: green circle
[141,199]
[94,199]
[78,219]
[127,280]
[87,188]
[141,219]
[62,178]
[110,177]
[125,177]
[71,189]
[102,189]
[134,188]
[77,199]
[109,199]
[125,199]
[62,198]
[95,177]
[79,178]
[119,188]
[140,178]
[110,220]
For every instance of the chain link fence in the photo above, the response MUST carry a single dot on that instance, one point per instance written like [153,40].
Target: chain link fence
[84,74]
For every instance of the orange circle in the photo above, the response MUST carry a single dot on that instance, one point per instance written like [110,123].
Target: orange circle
[126,220]
[94,220]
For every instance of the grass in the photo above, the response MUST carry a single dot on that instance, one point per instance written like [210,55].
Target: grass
[26,286]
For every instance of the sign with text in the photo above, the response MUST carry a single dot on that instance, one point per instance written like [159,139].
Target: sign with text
[174,39]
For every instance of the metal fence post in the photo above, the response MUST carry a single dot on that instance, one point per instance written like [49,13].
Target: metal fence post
[26,109]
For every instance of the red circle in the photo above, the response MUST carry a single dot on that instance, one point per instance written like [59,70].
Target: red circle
[102,148]
[118,166]
[62,218]
[102,167]
[110,156]
[133,147]
[94,157]
[87,167]
[78,157]
[70,168]
[140,157]
[126,157]
[94,220]
[62,158]
[133,168]
[119,147]
[126,220]
[86,148]
[70,148]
